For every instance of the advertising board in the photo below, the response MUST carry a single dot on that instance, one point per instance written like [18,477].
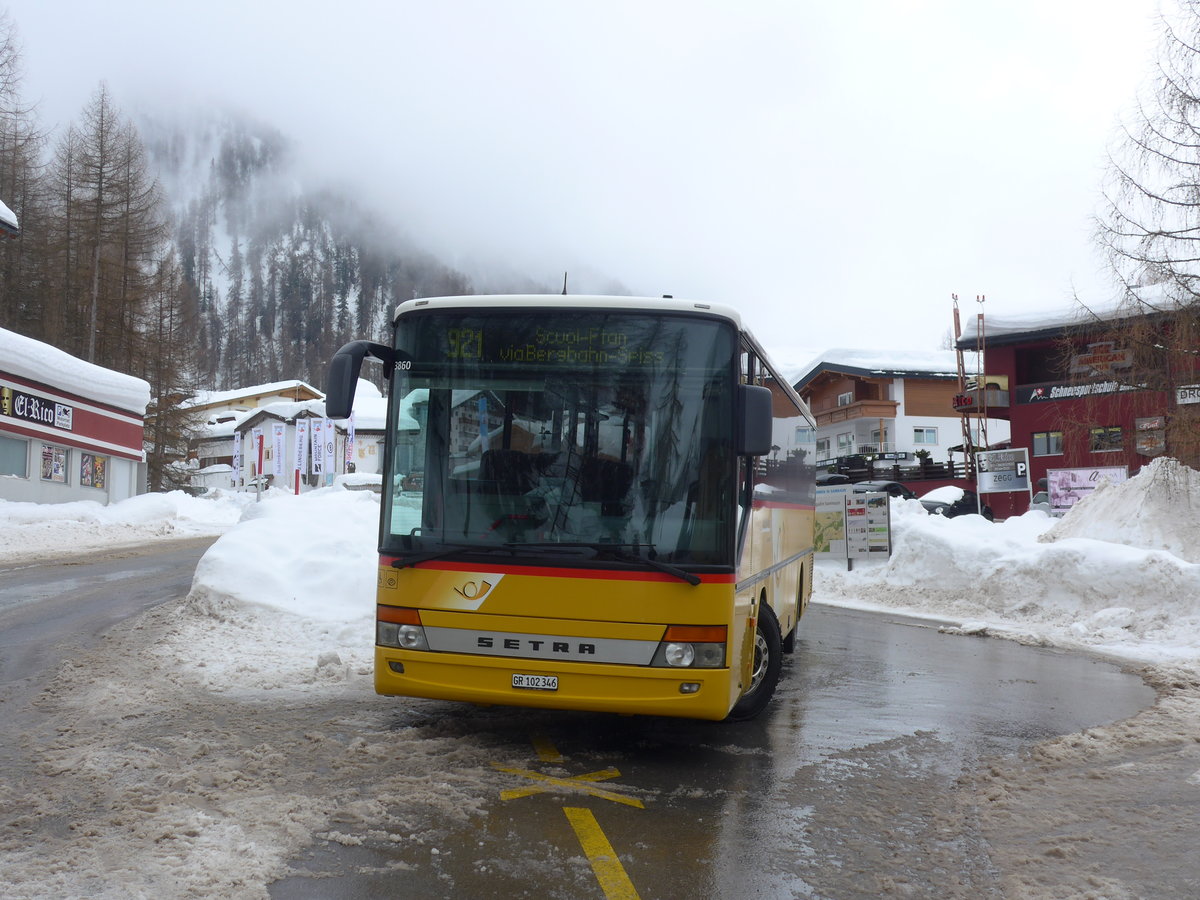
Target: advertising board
[998,471]
[1068,486]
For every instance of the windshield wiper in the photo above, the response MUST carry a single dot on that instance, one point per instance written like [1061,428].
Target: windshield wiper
[419,556]
[622,552]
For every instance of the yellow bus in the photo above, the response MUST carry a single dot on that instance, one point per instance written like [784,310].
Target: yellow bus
[591,503]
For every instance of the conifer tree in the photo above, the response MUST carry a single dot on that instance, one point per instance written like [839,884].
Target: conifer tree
[167,326]
[22,272]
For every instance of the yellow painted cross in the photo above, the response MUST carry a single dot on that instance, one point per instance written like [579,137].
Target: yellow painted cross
[575,783]
[611,875]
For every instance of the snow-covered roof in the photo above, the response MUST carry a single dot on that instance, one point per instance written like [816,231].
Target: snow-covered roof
[1146,300]
[8,220]
[883,363]
[225,398]
[26,358]
[370,413]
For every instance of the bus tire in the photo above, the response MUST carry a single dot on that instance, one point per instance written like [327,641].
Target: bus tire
[764,673]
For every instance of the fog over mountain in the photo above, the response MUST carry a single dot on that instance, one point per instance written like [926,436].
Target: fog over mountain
[286,266]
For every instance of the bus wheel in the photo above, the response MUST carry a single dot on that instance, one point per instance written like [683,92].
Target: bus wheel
[764,673]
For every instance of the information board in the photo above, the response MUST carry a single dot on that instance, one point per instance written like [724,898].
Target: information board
[852,525]
[868,526]
[1000,471]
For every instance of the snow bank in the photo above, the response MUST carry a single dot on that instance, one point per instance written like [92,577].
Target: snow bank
[1157,510]
[31,531]
[285,601]
[1114,575]
[301,556]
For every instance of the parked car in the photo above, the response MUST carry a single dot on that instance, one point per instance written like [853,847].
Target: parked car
[1041,500]
[833,478]
[951,501]
[891,488]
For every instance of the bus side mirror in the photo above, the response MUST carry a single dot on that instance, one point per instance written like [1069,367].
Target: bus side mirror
[344,369]
[755,418]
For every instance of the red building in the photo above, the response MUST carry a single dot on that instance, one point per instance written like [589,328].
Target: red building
[1078,396]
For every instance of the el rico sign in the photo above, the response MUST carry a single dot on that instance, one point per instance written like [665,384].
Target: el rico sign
[20,405]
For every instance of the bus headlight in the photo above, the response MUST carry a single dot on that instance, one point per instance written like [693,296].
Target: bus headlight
[399,627]
[412,637]
[691,647]
[679,654]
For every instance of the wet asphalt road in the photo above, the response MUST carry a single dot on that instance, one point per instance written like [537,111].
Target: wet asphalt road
[51,609]
[851,785]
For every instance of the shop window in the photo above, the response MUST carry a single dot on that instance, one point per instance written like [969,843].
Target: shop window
[54,463]
[925,435]
[14,457]
[1106,439]
[1047,443]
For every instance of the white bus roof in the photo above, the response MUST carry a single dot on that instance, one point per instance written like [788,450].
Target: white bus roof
[572,301]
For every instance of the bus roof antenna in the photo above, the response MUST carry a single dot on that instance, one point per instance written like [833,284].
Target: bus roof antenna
[564,284]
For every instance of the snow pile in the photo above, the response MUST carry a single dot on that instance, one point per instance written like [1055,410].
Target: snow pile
[1114,576]
[298,575]
[1157,510]
[30,531]
[302,556]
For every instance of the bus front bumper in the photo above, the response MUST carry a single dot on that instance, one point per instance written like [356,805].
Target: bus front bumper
[595,687]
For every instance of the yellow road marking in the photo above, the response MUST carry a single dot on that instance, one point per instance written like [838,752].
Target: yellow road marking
[609,871]
[574,783]
[546,750]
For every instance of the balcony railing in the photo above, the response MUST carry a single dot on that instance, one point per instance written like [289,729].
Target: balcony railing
[877,447]
[856,449]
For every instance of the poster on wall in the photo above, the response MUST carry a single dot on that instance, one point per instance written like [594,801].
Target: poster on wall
[1068,486]
[256,450]
[317,429]
[1150,435]
[330,436]
[300,461]
[236,474]
[92,469]
[278,433]
[54,464]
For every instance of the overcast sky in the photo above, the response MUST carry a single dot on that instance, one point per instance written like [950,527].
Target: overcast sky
[834,170]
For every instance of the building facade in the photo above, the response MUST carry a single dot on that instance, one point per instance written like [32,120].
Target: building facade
[1079,400]
[273,413]
[888,409]
[69,430]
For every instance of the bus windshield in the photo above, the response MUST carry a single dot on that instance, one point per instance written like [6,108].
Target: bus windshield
[605,432]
